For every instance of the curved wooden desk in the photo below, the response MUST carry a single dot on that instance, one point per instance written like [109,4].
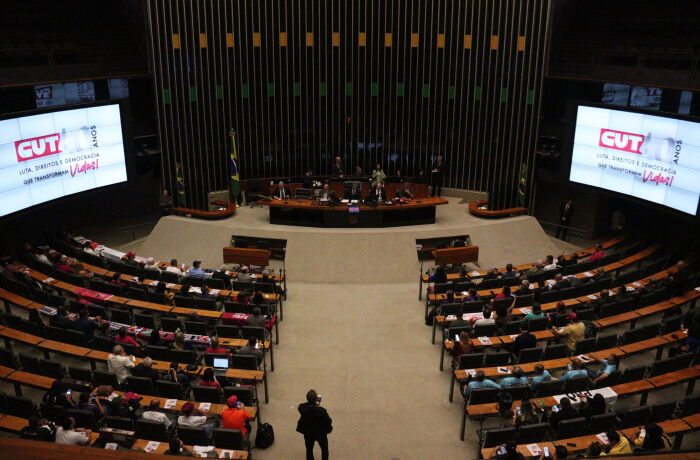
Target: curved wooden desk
[210,215]
[474,209]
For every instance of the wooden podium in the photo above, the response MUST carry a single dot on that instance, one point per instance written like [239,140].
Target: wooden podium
[449,256]
[258,257]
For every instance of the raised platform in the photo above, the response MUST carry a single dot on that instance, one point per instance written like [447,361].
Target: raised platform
[340,255]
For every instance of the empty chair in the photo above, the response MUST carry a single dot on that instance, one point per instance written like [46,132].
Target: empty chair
[650,331]
[205,304]
[83,418]
[156,297]
[538,324]
[157,353]
[588,289]
[544,389]
[265,288]
[193,436]
[441,288]
[137,293]
[244,362]
[500,358]
[226,438]
[146,321]
[474,306]
[206,394]
[663,366]
[495,437]
[512,327]
[605,283]
[484,330]
[512,281]
[662,411]
[241,285]
[490,284]
[632,374]
[170,277]
[140,385]
[216,283]
[54,369]
[636,416]
[184,301]
[171,390]
[76,338]
[555,352]
[528,355]
[153,431]
[234,307]
[603,342]
[567,293]
[518,392]
[121,316]
[253,331]
[608,310]
[20,407]
[682,361]
[632,336]
[502,302]
[185,356]
[195,327]
[626,305]
[561,320]
[671,324]
[584,346]
[601,423]
[54,412]
[240,243]
[102,344]
[549,296]
[119,423]
[528,434]
[30,327]
[523,300]
[80,373]
[171,324]
[229,332]
[586,315]
[195,281]
[483,396]
[8,359]
[576,384]
[97,310]
[689,406]
[29,363]
[570,428]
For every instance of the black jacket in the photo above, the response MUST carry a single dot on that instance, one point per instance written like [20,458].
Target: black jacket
[314,421]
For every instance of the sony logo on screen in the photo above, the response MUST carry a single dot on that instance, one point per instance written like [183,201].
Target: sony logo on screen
[36,147]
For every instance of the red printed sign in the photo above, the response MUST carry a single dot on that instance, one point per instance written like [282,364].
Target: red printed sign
[43,146]
[619,140]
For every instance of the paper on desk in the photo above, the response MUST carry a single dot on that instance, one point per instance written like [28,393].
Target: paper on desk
[584,358]
[532,286]
[534,449]
[526,310]
[451,317]
[111,446]
[637,284]
[154,283]
[170,403]
[471,372]
[697,289]
[630,289]
[560,330]
[345,201]
[204,406]
[485,340]
[170,285]
[603,438]
[196,289]
[465,293]
[588,274]
[48,280]
[112,396]
[503,370]
[593,296]
[202,451]
[152,446]
[475,273]
[253,275]
[215,291]
[514,336]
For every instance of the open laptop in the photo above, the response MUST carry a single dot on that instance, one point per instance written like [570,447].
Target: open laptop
[220,367]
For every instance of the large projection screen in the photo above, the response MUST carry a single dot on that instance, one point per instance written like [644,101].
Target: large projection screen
[51,155]
[645,156]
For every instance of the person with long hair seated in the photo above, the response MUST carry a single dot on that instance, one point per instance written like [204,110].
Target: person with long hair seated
[162,288]
[117,281]
[464,346]
[123,337]
[155,339]
[209,380]
[511,452]
[652,438]
[526,416]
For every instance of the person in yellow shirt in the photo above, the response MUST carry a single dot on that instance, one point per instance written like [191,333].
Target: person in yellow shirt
[574,332]
[617,445]
[652,438]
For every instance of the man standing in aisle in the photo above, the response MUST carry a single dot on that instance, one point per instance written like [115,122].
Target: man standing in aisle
[437,174]
[314,424]
[566,212]
[165,203]
[338,168]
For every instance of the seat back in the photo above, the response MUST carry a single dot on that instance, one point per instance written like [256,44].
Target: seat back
[80,373]
[206,394]
[608,310]
[661,412]
[528,434]
[170,390]
[227,438]
[518,392]
[510,281]
[682,361]
[97,310]
[601,423]
[252,331]
[156,297]
[549,296]
[184,356]
[633,373]
[75,338]
[632,336]
[561,320]
[102,344]
[625,305]
[234,307]
[195,327]
[473,306]
[171,324]
[567,293]
[241,285]
[119,423]
[146,321]
[613,379]
[216,283]
[538,324]
[29,363]
[83,418]
[570,428]
[497,436]
[54,369]
[442,288]
[20,406]
[205,304]
[195,281]
[512,327]
[244,362]
[529,355]
[170,277]
[650,331]
[576,384]
[266,288]
[140,385]
[500,302]
[470,361]
[586,315]
[636,416]
[484,330]
[603,342]
[663,366]
[52,333]
[523,300]
[555,352]
[483,396]
[500,358]
[490,284]
[184,301]
[690,405]
[192,436]
[671,324]
[157,353]
[584,346]
[8,359]
[137,293]
[54,412]
[121,316]
[153,431]
[229,332]
[551,388]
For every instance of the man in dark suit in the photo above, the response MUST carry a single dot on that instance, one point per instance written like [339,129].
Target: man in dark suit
[437,175]
[524,340]
[220,274]
[306,179]
[562,283]
[353,193]
[524,288]
[566,212]
[338,168]
[328,195]
[281,192]
[378,193]
[358,173]
[314,424]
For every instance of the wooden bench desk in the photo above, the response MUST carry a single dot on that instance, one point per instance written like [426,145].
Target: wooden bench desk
[151,306]
[203,313]
[5,371]
[528,368]
[656,343]
[12,424]
[19,378]
[10,298]
[603,354]
[673,378]
[690,296]
[163,446]
[17,336]
[630,316]
[62,349]
[246,374]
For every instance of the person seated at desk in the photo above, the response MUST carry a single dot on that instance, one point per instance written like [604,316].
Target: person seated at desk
[306,180]
[87,248]
[536,313]
[575,370]
[220,274]
[176,448]
[67,433]
[472,295]
[406,192]
[480,381]
[194,417]
[153,414]
[486,320]
[398,177]
[617,445]
[206,293]
[573,332]
[243,274]
[155,340]
[60,319]
[328,195]
[196,271]
[131,259]
[123,337]
[598,253]
[609,366]
[145,368]
[525,339]
[257,319]
[162,288]
[165,204]
[564,262]
[377,194]
[509,272]
[541,375]
[175,374]
[358,173]
[654,438]
[566,412]
[151,265]
[209,380]
[93,406]
[281,193]
[338,168]
[39,429]
[517,378]
[85,325]
[251,350]
[235,417]
[215,348]
[420,179]
[173,268]
[353,193]
[59,263]
[117,281]
[511,452]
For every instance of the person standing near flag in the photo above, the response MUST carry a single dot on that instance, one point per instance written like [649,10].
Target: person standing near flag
[566,212]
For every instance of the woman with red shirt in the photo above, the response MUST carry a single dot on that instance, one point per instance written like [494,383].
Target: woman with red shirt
[215,348]
[209,380]
[502,295]
[123,337]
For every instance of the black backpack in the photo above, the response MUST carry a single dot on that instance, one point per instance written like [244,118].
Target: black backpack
[265,436]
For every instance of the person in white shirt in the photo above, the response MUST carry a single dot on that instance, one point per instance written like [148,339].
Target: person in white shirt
[549,264]
[119,363]
[486,320]
[175,269]
[87,247]
[69,434]
[201,420]
[43,258]
[151,265]
[153,414]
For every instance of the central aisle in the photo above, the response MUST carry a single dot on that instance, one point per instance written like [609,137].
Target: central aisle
[366,350]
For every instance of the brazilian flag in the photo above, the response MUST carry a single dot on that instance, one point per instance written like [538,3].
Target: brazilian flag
[180,186]
[235,186]
[521,186]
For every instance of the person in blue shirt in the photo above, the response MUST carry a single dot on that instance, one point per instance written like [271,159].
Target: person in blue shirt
[85,325]
[509,272]
[541,375]
[575,370]
[517,378]
[196,271]
[609,366]
[480,381]
[536,313]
